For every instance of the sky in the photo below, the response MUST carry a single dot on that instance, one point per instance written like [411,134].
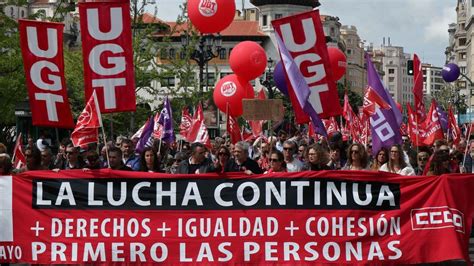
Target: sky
[420,26]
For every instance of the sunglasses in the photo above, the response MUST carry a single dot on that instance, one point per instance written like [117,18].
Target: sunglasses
[223,153]
[287,149]
[355,151]
[273,160]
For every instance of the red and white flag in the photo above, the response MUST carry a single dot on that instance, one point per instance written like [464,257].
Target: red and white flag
[233,129]
[186,122]
[418,90]
[88,124]
[42,49]
[331,126]
[429,130]
[19,159]
[198,131]
[372,101]
[108,54]
[453,126]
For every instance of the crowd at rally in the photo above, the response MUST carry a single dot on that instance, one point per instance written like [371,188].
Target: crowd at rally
[281,153]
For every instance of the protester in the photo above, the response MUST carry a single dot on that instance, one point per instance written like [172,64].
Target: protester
[409,151]
[116,160]
[302,148]
[47,162]
[128,153]
[197,163]
[440,163]
[178,158]
[241,162]
[356,158]
[282,137]
[73,159]
[223,159]
[396,162]
[149,161]
[277,162]
[292,163]
[92,160]
[263,160]
[380,159]
[317,158]
[335,160]
[5,164]
[33,160]
[422,160]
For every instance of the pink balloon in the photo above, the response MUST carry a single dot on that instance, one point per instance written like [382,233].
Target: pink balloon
[248,60]
[338,62]
[211,16]
[230,91]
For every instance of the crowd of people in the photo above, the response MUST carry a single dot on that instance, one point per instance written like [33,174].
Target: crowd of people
[281,153]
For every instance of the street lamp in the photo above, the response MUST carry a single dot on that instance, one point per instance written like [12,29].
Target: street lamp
[268,82]
[203,53]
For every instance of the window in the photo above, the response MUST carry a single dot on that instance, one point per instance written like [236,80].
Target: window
[264,20]
[277,16]
[462,41]
[223,53]
[211,79]
[230,50]
[349,51]
[224,74]
[12,11]
[167,82]
[172,53]
[391,71]
[163,54]
[391,79]
[23,13]
[182,54]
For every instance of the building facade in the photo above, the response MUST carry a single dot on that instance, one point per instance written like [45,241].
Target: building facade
[356,74]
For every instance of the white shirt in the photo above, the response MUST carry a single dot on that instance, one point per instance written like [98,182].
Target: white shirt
[405,171]
[294,166]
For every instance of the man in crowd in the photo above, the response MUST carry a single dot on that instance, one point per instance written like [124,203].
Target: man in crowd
[47,162]
[197,163]
[241,161]
[292,163]
[115,160]
[73,161]
[129,157]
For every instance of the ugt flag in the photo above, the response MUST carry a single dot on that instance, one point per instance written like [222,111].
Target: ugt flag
[385,123]
[89,121]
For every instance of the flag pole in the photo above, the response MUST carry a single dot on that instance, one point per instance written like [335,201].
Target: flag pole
[467,146]
[94,94]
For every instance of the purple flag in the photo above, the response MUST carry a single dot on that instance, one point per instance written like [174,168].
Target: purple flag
[300,87]
[166,121]
[385,123]
[146,138]
[443,117]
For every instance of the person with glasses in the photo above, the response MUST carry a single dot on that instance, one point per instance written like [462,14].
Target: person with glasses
[33,160]
[222,163]
[197,163]
[380,159]
[396,162]
[178,158]
[409,151]
[293,164]
[92,160]
[149,161]
[356,158]
[277,162]
[317,158]
[422,160]
[73,159]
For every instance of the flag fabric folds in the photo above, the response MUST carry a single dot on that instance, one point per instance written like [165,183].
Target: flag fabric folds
[385,123]
[164,124]
[186,122]
[19,159]
[418,90]
[453,126]
[88,123]
[198,131]
[146,137]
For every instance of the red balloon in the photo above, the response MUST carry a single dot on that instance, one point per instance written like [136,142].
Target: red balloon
[248,60]
[211,16]
[231,90]
[338,62]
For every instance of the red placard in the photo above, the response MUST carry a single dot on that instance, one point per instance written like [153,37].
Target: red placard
[108,54]
[42,49]
[304,38]
[351,217]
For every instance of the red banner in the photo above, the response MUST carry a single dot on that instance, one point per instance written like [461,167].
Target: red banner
[304,38]
[282,218]
[107,52]
[428,131]
[42,49]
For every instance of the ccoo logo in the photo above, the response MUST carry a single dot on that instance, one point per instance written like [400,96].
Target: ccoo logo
[228,88]
[208,8]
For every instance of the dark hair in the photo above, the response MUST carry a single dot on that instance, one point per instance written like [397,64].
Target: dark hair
[156,164]
[6,164]
[401,158]
[376,165]
[223,147]
[363,155]
[195,145]
[36,156]
[116,150]
[436,166]
[323,155]
[126,141]
[281,158]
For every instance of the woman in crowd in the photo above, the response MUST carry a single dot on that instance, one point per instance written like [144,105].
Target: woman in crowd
[380,159]
[277,162]
[317,158]
[356,158]
[396,162]
[440,163]
[5,164]
[223,159]
[149,161]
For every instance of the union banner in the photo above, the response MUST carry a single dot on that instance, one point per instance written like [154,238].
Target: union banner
[341,217]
